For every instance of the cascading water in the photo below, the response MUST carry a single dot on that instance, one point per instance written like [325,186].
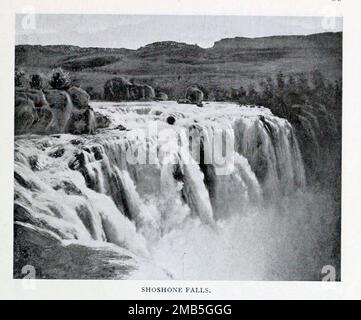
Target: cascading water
[144,203]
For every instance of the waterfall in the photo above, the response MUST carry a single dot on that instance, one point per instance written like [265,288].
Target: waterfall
[94,190]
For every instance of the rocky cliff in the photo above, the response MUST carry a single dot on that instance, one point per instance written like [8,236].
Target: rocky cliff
[120,89]
[53,111]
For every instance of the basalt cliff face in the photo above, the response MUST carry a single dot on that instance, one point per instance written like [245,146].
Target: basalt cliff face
[53,111]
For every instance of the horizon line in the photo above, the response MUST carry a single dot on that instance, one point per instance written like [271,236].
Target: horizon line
[181,42]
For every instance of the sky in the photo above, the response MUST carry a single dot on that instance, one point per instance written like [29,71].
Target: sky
[134,31]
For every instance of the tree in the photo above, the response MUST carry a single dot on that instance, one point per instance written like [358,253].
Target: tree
[319,87]
[318,81]
[252,94]
[280,81]
[303,88]
[21,78]
[37,82]
[60,79]
[267,91]
[291,85]
[338,93]
[242,92]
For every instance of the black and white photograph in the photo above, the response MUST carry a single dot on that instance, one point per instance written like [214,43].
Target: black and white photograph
[177,147]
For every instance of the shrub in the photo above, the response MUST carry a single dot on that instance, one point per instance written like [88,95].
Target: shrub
[37,81]
[60,79]
[21,78]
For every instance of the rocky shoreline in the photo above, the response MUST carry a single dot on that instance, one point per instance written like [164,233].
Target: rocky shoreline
[67,110]
[53,111]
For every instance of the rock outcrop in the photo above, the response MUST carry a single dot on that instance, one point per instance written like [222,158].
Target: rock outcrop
[146,92]
[47,256]
[82,122]
[120,89]
[161,96]
[102,121]
[117,89]
[25,114]
[61,106]
[37,96]
[53,111]
[194,95]
[79,97]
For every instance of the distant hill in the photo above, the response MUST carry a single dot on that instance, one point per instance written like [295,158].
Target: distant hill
[318,40]
[172,66]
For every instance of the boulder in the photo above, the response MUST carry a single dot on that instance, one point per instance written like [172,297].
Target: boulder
[121,128]
[141,92]
[119,89]
[161,96]
[146,92]
[58,99]
[54,111]
[186,101]
[41,249]
[79,97]
[25,115]
[41,120]
[44,121]
[82,122]
[61,106]
[170,120]
[58,153]
[194,95]
[37,96]
[101,120]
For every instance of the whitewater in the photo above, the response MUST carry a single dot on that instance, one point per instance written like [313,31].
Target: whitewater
[146,197]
